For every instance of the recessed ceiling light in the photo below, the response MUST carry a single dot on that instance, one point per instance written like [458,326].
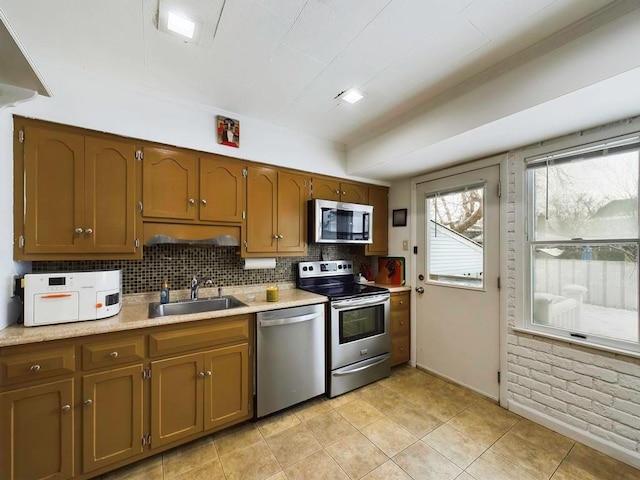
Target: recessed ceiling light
[180,20]
[352,95]
[181,25]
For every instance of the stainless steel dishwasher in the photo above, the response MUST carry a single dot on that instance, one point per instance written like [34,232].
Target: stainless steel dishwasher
[290,360]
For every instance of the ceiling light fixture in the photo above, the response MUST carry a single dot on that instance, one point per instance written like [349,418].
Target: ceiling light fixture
[352,95]
[177,20]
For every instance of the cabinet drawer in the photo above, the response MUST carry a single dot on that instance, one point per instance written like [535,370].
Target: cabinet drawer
[31,366]
[198,337]
[112,352]
[400,350]
[400,324]
[400,300]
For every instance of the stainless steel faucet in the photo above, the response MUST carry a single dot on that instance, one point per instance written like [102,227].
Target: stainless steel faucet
[195,286]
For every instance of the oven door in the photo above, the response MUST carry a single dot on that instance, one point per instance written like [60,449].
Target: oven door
[359,329]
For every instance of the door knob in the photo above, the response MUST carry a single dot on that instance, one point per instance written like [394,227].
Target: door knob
[420,289]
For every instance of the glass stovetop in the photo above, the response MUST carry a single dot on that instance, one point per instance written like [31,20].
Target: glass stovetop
[345,290]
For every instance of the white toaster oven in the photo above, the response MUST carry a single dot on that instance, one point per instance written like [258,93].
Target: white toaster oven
[51,298]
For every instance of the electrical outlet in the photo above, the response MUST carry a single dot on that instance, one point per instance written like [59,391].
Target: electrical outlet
[405,245]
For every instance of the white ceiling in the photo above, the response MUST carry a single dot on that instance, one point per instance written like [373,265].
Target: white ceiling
[284,61]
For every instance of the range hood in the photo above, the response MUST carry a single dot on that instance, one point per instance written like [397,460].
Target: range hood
[215,235]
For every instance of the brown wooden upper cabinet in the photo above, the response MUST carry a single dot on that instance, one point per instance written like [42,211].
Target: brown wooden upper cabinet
[327,189]
[79,195]
[379,199]
[276,212]
[178,185]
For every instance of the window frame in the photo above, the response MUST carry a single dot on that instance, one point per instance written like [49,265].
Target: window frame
[600,148]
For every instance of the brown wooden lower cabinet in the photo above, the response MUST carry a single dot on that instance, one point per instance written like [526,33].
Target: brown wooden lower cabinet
[36,438]
[400,328]
[77,408]
[112,406]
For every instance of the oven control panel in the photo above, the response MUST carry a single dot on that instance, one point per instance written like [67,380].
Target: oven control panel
[325,268]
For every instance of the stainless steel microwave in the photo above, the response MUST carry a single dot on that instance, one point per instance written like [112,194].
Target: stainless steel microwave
[338,222]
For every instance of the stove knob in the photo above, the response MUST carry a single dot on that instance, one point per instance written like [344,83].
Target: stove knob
[339,266]
[310,268]
[304,269]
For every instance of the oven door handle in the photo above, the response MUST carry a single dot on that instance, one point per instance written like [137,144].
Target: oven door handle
[290,320]
[360,303]
[385,357]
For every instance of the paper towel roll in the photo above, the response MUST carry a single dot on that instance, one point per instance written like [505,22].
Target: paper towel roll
[257,263]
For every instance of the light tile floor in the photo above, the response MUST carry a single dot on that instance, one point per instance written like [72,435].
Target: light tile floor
[411,425]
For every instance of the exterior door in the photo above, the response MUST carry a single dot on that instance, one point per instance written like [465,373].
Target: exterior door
[458,266]
[221,190]
[36,438]
[226,390]
[111,416]
[262,210]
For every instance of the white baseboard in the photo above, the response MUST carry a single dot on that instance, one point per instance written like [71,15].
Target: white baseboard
[453,380]
[582,436]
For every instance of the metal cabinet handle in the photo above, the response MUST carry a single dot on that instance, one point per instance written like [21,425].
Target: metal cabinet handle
[88,401]
[79,230]
[401,322]
[204,201]
[88,231]
[201,374]
[275,237]
[66,408]
[192,201]
[208,373]
[34,368]
[420,289]
[401,302]
[113,354]
[337,192]
[344,193]
[280,237]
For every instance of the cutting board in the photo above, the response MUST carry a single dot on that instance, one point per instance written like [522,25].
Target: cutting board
[390,271]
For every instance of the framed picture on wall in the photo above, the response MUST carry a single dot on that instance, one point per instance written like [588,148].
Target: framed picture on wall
[400,217]
[228,131]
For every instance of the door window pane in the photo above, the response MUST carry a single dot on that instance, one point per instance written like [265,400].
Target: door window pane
[455,237]
[586,288]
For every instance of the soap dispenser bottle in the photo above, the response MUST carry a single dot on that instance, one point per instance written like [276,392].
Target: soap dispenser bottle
[164,291]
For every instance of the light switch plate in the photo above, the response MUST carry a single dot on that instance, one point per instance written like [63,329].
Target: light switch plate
[405,245]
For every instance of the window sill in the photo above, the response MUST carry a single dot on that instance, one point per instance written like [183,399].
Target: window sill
[574,341]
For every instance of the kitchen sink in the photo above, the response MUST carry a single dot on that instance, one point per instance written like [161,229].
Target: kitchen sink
[185,307]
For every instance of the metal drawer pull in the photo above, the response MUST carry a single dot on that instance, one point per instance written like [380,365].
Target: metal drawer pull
[66,408]
[88,401]
[113,354]
[289,320]
[401,302]
[34,368]
[355,370]
[208,373]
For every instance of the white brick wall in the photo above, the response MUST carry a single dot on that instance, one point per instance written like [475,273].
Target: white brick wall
[594,391]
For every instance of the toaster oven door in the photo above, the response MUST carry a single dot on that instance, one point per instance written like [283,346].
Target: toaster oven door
[52,308]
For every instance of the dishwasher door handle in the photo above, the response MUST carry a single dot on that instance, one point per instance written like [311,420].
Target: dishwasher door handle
[342,372]
[290,320]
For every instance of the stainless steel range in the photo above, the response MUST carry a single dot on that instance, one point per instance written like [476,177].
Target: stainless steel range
[359,340]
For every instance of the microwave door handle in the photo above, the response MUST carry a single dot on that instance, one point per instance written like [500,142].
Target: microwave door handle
[359,303]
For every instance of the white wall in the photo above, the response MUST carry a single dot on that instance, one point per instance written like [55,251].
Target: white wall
[85,101]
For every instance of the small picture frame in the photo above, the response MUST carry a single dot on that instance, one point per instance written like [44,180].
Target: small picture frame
[399,218]
[228,131]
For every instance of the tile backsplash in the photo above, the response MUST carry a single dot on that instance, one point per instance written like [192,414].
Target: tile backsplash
[223,265]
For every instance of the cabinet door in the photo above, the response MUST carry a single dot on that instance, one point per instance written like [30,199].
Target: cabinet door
[378,198]
[169,184]
[293,194]
[221,189]
[326,189]
[353,193]
[262,201]
[111,416]
[226,391]
[36,438]
[176,398]
[110,197]
[54,171]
